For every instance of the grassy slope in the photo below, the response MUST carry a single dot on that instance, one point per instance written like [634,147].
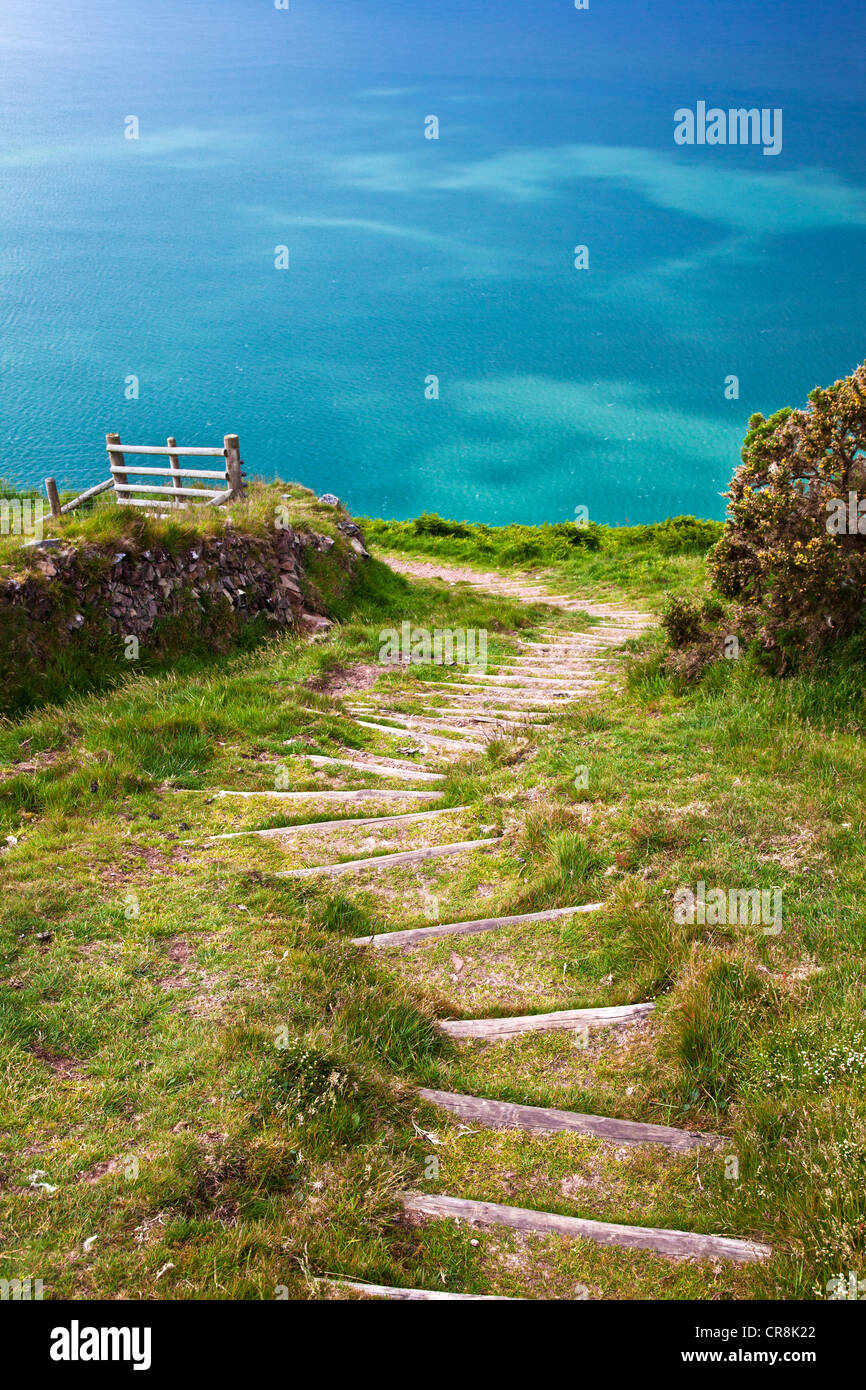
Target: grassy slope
[207,1027]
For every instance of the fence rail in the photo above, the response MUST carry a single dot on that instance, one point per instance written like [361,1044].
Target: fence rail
[158,494]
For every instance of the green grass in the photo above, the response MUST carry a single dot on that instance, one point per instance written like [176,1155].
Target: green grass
[173,1010]
[646,561]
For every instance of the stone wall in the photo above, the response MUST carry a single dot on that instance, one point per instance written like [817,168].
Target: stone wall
[90,599]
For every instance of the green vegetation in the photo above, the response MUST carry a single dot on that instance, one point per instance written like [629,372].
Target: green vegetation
[213,1083]
[100,523]
[646,560]
[789,571]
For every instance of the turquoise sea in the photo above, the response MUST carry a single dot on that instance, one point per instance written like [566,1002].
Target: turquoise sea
[410,258]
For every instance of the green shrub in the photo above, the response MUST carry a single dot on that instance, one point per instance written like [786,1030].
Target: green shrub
[788,557]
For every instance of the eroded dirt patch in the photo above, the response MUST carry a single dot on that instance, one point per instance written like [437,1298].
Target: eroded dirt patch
[344,679]
[61,1066]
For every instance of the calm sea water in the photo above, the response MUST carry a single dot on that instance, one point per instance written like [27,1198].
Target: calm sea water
[154,258]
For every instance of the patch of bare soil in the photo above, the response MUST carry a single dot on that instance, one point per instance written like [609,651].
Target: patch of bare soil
[793,852]
[103,1169]
[343,679]
[208,997]
[61,1066]
[156,860]
[37,763]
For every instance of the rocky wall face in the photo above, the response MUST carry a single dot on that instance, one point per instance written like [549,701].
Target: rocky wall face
[132,592]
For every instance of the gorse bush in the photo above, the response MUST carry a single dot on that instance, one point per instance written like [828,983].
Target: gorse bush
[793,553]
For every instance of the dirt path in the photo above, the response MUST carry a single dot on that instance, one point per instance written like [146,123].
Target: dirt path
[547,675]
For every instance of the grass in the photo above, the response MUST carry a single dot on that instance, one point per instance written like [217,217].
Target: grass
[218,1087]
[645,561]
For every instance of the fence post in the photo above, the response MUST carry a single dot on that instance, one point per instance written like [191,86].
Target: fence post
[53,496]
[116,460]
[174,464]
[233,466]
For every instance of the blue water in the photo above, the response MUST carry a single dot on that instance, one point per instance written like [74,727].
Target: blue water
[558,388]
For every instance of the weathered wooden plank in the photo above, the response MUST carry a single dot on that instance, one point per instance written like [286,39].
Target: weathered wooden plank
[390,861]
[405,772]
[173,472]
[412,1295]
[549,647]
[150,502]
[473,698]
[499,1114]
[317,794]
[167,490]
[524,682]
[475,718]
[568,1019]
[454,744]
[527,699]
[676,1244]
[339,822]
[165,449]
[417,935]
[409,723]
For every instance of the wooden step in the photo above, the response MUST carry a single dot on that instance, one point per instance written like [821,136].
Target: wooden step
[416,936]
[421,723]
[547,647]
[412,1295]
[473,715]
[500,1114]
[388,861]
[453,744]
[677,1244]
[527,682]
[568,1019]
[338,822]
[526,699]
[433,725]
[319,794]
[511,714]
[403,773]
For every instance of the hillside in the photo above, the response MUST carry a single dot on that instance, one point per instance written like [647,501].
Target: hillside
[216,1093]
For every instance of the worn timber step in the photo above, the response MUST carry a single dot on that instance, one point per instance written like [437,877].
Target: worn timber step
[418,935]
[421,723]
[525,698]
[405,772]
[676,1244]
[556,663]
[524,682]
[412,1295]
[389,861]
[319,794]
[480,711]
[564,1019]
[520,690]
[339,822]
[474,717]
[454,744]
[550,647]
[500,1114]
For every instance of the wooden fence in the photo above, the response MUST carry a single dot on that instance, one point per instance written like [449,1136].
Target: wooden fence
[171,493]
